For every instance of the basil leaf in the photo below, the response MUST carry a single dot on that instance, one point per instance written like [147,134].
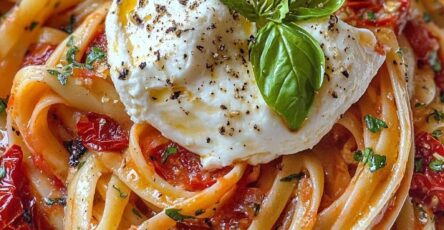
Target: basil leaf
[259,10]
[243,7]
[374,161]
[288,65]
[3,105]
[374,124]
[308,9]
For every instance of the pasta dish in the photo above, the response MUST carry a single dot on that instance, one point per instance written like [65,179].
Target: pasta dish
[221,114]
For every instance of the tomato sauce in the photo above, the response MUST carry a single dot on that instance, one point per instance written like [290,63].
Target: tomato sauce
[177,165]
[38,54]
[101,133]
[428,185]
[366,13]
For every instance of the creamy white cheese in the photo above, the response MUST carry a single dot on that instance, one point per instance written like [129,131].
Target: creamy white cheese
[183,67]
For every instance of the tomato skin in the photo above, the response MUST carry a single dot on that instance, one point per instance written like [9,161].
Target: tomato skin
[16,202]
[38,54]
[426,183]
[101,133]
[182,168]
[99,41]
[357,10]
[421,40]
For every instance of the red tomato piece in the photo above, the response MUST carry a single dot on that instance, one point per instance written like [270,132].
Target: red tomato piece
[38,54]
[428,185]
[101,133]
[374,13]
[240,210]
[99,41]
[421,40]
[16,203]
[176,164]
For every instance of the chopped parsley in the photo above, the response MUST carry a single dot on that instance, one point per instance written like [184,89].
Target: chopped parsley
[418,164]
[175,214]
[441,97]
[256,208]
[3,106]
[291,177]
[96,54]
[2,172]
[33,25]
[437,133]
[121,194]
[437,115]
[371,16]
[434,62]
[199,212]
[170,150]
[67,70]
[368,157]
[70,27]
[374,124]
[427,17]
[137,212]
[55,201]
[436,165]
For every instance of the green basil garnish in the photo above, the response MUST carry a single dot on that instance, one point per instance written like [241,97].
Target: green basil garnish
[289,67]
[96,54]
[288,63]
[308,9]
[436,165]
[170,150]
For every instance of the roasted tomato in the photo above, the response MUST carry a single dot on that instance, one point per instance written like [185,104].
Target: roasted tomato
[101,133]
[99,41]
[16,203]
[38,54]
[177,165]
[428,180]
[391,13]
[421,40]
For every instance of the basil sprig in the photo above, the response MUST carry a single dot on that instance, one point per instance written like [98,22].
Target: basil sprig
[288,63]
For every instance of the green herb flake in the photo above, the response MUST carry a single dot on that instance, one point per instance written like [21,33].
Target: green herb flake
[291,177]
[419,105]
[374,124]
[437,133]
[371,16]
[137,213]
[441,96]
[95,55]
[33,25]
[434,62]
[121,194]
[170,150]
[418,164]
[199,212]
[427,17]
[55,201]
[2,173]
[3,105]
[256,208]
[175,214]
[368,157]
[437,115]
[436,165]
